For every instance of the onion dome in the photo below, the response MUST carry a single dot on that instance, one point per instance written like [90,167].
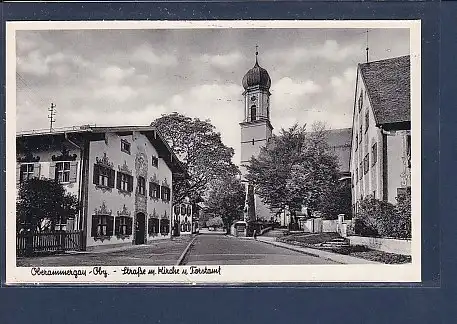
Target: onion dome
[257,76]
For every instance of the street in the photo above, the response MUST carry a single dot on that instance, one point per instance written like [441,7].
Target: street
[224,250]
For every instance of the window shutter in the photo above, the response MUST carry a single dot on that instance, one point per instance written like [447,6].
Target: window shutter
[96,173]
[52,170]
[109,227]
[93,232]
[18,173]
[130,183]
[129,225]
[118,180]
[36,170]
[117,225]
[73,171]
[112,175]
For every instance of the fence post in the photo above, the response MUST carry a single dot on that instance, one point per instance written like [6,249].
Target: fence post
[29,243]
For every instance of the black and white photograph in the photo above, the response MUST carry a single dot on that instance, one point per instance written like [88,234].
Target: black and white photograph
[213,152]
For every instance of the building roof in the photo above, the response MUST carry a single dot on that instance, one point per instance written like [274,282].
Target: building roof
[388,89]
[257,76]
[151,133]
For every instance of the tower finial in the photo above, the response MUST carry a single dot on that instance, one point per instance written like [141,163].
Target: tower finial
[256,53]
[367,47]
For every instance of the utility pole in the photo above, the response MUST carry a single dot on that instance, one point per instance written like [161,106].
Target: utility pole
[51,116]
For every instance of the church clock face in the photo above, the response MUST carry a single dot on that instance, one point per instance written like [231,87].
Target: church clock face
[253,98]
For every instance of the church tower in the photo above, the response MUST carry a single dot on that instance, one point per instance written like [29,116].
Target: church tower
[256,130]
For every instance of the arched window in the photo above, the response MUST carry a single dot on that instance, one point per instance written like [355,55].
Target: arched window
[253,112]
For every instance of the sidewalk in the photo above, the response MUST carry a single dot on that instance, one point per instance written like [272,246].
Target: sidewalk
[340,258]
[160,252]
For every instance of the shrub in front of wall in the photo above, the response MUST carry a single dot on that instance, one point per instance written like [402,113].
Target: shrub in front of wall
[375,218]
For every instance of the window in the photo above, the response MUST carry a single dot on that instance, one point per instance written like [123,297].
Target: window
[63,172]
[102,226]
[164,226]
[361,100]
[125,146]
[26,171]
[189,210]
[123,225]
[154,190]
[360,170]
[356,175]
[124,182]
[155,161]
[366,163]
[360,132]
[165,193]
[103,176]
[253,113]
[374,153]
[367,120]
[153,226]
[141,186]
[356,141]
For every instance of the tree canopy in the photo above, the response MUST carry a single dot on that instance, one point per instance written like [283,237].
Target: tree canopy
[43,203]
[226,199]
[199,147]
[296,168]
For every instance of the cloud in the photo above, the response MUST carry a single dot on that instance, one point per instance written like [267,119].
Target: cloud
[146,54]
[120,93]
[287,86]
[222,60]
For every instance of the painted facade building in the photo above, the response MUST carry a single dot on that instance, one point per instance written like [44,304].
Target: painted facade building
[256,130]
[122,177]
[381,133]
[185,216]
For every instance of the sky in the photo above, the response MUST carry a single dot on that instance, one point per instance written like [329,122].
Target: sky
[131,77]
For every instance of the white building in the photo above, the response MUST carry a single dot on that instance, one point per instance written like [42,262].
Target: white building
[122,177]
[381,139]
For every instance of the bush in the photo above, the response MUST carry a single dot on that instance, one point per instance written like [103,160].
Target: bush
[380,218]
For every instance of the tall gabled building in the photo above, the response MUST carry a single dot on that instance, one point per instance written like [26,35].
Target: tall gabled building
[380,162]
[122,177]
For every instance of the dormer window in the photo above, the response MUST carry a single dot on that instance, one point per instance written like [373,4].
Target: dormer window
[361,100]
[125,146]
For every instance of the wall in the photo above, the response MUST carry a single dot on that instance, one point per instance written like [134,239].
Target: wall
[383,244]
[45,155]
[395,165]
[329,225]
[369,183]
[115,200]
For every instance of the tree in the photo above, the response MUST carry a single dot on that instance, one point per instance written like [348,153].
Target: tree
[215,222]
[43,203]
[199,147]
[295,169]
[226,199]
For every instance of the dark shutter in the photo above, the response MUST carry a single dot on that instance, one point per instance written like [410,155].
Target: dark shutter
[93,232]
[130,183]
[149,225]
[129,225]
[96,173]
[73,171]
[109,227]
[118,180]
[111,176]
[117,224]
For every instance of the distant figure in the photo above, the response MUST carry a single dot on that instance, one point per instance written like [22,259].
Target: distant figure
[255,234]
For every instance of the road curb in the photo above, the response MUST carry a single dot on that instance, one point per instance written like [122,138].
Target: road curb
[338,258]
[183,254]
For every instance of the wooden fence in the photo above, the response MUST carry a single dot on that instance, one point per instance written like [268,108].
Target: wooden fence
[51,242]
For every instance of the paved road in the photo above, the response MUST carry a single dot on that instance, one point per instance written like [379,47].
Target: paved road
[163,252]
[224,250]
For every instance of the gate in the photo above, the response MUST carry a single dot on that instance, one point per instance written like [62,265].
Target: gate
[51,242]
